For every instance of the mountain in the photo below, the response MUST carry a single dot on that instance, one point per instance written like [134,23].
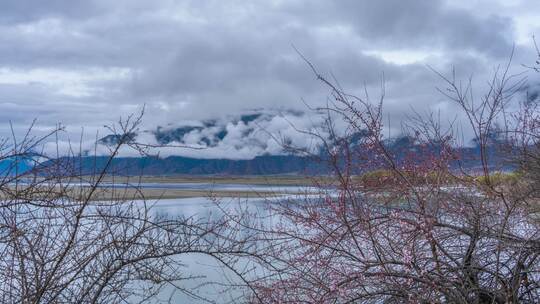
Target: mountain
[243,146]
[402,148]
[13,167]
[178,165]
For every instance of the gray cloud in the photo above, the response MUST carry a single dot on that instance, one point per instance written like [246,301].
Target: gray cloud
[425,25]
[88,62]
[21,11]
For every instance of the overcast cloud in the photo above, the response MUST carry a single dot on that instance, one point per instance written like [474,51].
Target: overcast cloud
[86,63]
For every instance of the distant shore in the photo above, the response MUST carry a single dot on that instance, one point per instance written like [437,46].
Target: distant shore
[271,180]
[154,193]
[170,187]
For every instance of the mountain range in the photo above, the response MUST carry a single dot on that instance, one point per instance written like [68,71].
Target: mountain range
[242,145]
[402,148]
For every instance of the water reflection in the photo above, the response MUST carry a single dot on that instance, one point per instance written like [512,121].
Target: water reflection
[203,268]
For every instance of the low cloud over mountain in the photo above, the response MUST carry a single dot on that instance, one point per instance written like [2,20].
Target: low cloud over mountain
[244,136]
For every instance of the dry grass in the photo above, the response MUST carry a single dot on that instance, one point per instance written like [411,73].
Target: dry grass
[271,180]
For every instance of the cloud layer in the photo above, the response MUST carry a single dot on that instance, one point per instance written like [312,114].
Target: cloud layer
[86,63]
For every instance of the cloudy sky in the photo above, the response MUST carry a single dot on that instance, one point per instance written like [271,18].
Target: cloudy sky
[86,63]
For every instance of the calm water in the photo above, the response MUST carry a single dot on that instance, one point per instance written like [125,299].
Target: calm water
[206,267]
[199,265]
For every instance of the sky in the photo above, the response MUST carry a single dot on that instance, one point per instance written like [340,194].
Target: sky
[85,64]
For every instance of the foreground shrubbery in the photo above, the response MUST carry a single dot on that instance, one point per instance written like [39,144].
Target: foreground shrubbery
[417,230]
